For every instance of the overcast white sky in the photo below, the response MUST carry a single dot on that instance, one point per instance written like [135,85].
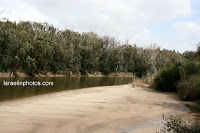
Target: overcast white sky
[171,24]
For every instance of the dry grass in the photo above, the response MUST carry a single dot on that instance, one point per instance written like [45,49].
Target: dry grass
[146,81]
[175,124]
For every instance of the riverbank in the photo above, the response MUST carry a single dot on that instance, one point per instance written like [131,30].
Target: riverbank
[108,109]
[68,74]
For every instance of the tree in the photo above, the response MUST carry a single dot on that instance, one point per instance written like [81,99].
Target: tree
[198,49]
[33,47]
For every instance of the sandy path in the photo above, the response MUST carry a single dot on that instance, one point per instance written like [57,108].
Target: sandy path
[111,109]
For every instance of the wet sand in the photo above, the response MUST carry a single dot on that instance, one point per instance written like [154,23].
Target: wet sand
[107,109]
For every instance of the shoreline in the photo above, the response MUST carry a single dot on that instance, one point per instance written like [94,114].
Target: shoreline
[20,74]
[107,109]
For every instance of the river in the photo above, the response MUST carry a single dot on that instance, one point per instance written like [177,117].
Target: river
[59,84]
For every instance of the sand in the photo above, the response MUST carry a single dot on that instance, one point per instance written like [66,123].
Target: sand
[107,109]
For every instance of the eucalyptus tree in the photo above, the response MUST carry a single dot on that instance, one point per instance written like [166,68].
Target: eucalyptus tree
[198,50]
[33,47]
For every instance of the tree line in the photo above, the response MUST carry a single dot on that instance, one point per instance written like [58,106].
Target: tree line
[33,48]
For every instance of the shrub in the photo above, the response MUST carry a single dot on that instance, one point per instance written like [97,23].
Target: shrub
[190,89]
[198,105]
[174,124]
[167,78]
[189,68]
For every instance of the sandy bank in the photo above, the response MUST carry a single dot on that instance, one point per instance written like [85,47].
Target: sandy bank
[111,109]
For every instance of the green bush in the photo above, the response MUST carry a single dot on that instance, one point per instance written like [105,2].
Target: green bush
[189,68]
[190,89]
[198,105]
[198,85]
[167,78]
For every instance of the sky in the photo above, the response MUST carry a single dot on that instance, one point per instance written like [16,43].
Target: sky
[170,24]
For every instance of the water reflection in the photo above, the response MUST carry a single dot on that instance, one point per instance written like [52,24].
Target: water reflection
[60,84]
